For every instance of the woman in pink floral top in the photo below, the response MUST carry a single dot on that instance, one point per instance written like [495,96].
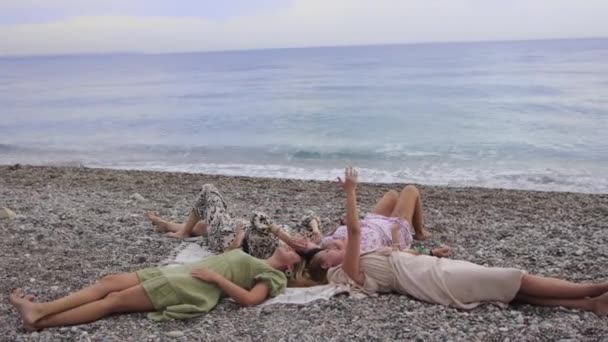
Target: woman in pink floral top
[375,232]
[394,210]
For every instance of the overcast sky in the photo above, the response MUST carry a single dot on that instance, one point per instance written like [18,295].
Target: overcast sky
[33,27]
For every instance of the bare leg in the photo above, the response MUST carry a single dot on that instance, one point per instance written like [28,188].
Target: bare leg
[162,224]
[200,229]
[418,217]
[238,237]
[586,304]
[188,227]
[386,205]
[32,312]
[599,305]
[544,287]
[316,230]
[178,229]
[133,299]
[409,207]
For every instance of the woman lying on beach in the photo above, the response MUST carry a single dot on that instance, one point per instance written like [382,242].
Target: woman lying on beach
[179,292]
[210,217]
[393,210]
[443,281]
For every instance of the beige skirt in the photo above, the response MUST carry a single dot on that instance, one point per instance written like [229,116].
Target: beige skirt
[454,283]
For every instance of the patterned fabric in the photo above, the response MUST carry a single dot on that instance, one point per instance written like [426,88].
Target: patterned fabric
[304,229]
[376,233]
[259,240]
[211,208]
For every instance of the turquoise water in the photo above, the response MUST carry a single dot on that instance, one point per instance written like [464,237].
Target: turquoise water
[527,115]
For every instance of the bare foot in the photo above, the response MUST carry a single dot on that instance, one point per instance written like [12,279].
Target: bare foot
[156,220]
[26,308]
[315,226]
[238,236]
[600,307]
[423,235]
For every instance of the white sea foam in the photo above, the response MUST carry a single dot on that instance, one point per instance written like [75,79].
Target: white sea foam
[426,169]
[538,179]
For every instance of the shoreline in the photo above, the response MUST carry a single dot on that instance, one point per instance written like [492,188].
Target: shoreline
[455,185]
[77,224]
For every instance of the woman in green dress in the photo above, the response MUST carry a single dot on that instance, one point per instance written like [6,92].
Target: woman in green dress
[210,217]
[177,292]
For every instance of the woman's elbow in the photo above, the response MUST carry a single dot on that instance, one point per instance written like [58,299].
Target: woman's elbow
[249,302]
[246,302]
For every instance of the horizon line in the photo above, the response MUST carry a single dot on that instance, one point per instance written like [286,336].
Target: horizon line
[236,50]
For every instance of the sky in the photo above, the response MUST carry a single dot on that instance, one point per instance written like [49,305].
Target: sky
[50,27]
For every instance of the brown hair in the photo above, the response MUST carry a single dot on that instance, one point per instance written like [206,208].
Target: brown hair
[316,270]
[300,276]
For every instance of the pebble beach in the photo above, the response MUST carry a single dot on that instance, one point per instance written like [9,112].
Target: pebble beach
[74,225]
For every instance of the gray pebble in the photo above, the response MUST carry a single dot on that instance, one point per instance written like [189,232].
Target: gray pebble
[175,334]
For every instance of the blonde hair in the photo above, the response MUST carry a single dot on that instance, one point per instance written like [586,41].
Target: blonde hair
[300,276]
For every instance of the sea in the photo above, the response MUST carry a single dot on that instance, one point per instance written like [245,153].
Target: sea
[519,114]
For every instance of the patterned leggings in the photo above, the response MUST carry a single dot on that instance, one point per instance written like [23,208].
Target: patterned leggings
[258,240]
[211,208]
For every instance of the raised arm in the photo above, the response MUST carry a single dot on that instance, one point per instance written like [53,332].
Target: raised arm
[350,265]
[244,297]
[298,243]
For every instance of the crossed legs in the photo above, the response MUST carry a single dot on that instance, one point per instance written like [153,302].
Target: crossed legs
[208,210]
[545,291]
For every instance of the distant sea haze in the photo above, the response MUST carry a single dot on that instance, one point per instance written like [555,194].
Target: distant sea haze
[523,115]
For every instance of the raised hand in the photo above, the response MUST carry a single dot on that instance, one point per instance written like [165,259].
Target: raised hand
[350,179]
[300,243]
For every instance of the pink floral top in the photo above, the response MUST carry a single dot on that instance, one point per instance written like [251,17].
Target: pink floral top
[376,233]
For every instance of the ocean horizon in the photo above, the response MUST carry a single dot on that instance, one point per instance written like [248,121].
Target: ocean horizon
[529,115]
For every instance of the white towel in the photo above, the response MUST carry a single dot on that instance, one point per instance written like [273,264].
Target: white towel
[190,252]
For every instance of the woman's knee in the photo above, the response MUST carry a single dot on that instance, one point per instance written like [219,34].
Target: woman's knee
[116,282]
[392,195]
[108,282]
[411,190]
[114,301]
[200,228]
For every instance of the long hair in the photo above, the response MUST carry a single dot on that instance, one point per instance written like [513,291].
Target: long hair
[309,254]
[300,276]
[317,272]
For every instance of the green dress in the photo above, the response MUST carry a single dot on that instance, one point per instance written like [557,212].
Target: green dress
[177,295]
